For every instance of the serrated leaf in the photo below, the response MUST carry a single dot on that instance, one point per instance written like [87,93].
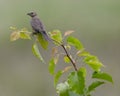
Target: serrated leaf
[75,42]
[42,41]
[103,76]
[52,66]
[63,89]
[94,85]
[93,62]
[56,35]
[57,76]
[76,82]
[68,32]
[14,36]
[36,52]
[66,59]
[24,35]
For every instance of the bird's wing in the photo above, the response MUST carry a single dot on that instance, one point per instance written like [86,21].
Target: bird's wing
[37,24]
[39,27]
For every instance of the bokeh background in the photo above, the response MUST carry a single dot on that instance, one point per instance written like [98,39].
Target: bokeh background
[96,24]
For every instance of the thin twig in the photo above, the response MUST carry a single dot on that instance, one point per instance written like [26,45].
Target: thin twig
[67,54]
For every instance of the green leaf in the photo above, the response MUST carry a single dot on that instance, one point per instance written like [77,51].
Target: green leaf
[52,66]
[74,42]
[94,85]
[83,53]
[103,76]
[24,35]
[56,35]
[71,93]
[66,59]
[93,62]
[42,41]
[63,89]
[36,52]
[68,47]
[76,81]
[83,70]
[57,76]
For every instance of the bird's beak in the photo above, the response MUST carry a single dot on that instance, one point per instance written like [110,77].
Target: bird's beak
[28,13]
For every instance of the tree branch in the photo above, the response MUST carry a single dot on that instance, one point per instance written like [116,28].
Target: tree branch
[67,54]
[70,58]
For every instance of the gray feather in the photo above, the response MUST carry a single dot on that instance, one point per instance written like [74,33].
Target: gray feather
[38,26]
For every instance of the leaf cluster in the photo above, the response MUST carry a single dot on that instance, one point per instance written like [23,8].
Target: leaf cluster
[75,82]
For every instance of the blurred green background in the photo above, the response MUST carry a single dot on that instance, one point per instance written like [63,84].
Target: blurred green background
[96,24]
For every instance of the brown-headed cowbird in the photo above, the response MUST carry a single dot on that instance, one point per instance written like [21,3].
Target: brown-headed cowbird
[37,25]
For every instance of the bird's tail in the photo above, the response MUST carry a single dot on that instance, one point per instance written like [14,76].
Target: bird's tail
[45,35]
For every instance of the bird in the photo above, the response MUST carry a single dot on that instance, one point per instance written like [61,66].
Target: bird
[37,25]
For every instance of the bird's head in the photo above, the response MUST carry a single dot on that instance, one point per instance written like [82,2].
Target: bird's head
[32,14]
